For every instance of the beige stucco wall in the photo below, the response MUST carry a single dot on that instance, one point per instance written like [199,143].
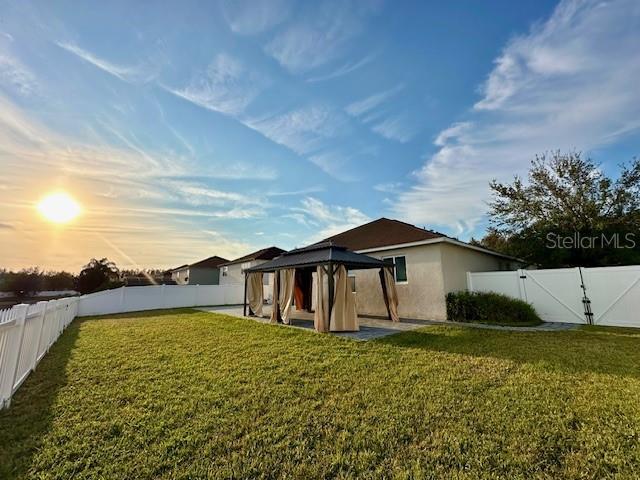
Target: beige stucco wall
[457,261]
[421,297]
[433,270]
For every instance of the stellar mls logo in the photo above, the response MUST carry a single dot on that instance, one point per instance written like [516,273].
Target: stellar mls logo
[614,240]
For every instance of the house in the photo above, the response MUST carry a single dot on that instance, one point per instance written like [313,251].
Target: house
[204,272]
[233,272]
[428,265]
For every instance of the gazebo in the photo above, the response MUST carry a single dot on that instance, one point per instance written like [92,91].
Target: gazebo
[323,266]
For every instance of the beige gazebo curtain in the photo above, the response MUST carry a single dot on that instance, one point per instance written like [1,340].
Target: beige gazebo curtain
[390,293]
[275,311]
[255,294]
[343,313]
[322,301]
[286,290]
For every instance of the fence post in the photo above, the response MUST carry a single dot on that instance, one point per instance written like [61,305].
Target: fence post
[122,299]
[43,316]
[21,316]
[54,324]
[522,276]
[163,292]
[469,282]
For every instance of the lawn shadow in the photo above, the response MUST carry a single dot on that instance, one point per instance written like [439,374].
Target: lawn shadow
[574,351]
[33,405]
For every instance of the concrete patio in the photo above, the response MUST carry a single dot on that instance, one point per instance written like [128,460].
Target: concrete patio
[370,328]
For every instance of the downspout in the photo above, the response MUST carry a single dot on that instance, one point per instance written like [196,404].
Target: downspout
[244,307]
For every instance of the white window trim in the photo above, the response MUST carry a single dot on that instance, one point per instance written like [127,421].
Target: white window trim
[395,277]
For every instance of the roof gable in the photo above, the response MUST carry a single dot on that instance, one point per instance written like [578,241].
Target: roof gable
[382,233]
[211,262]
[263,254]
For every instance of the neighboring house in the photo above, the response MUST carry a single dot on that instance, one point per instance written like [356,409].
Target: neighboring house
[233,272]
[428,265]
[204,272]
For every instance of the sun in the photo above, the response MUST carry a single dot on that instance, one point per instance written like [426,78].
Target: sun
[59,207]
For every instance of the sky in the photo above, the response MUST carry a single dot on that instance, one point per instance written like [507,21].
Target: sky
[192,129]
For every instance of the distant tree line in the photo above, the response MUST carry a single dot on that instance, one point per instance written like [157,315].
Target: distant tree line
[567,213]
[97,275]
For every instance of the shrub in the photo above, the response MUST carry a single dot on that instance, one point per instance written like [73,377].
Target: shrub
[489,308]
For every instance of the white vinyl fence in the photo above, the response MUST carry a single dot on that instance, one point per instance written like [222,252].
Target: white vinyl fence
[28,331]
[598,296]
[26,334]
[133,299]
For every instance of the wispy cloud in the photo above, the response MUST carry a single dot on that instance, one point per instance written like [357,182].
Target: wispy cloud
[226,86]
[361,107]
[295,193]
[130,74]
[333,163]
[344,69]
[321,36]
[453,133]
[325,219]
[389,187]
[250,17]
[569,83]
[397,127]
[14,74]
[303,130]
[373,112]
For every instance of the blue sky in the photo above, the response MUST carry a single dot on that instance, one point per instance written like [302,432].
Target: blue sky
[204,128]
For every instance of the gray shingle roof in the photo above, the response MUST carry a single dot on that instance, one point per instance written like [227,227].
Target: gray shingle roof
[319,254]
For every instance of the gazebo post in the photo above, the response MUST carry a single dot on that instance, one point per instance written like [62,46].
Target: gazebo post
[330,280]
[244,307]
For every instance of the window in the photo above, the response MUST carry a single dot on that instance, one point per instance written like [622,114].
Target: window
[351,278]
[225,271]
[400,270]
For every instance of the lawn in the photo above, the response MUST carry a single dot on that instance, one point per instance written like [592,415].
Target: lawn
[186,394]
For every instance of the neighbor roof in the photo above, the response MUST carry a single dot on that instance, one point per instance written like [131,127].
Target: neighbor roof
[382,233]
[211,262]
[264,254]
[319,254]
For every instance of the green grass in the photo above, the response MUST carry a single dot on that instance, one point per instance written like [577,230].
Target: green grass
[186,394]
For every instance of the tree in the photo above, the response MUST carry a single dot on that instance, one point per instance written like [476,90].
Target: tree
[24,283]
[58,281]
[98,275]
[569,213]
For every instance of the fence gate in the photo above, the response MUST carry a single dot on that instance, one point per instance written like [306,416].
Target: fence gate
[601,296]
[556,294]
[615,295]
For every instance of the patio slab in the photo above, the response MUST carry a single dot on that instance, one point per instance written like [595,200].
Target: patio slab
[370,328]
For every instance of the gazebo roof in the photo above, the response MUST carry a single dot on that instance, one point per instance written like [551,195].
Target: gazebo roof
[319,254]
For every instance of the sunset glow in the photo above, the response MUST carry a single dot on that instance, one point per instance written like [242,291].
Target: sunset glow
[59,207]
